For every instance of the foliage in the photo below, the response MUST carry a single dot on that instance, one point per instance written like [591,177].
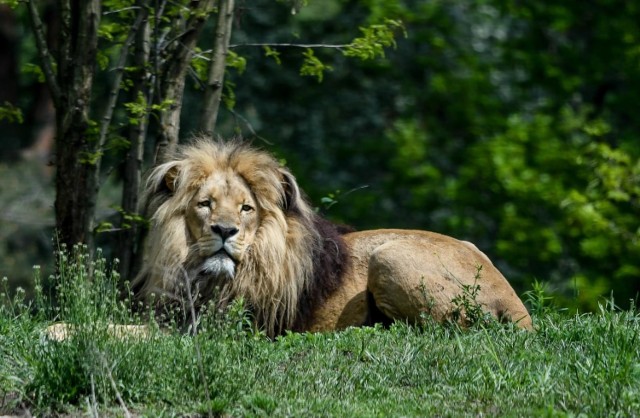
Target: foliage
[11,3]
[374,40]
[11,113]
[538,299]
[508,124]
[466,308]
[312,66]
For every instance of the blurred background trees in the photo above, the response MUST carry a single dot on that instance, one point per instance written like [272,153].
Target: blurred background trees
[508,124]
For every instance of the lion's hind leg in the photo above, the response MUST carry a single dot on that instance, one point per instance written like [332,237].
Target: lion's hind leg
[409,278]
[402,285]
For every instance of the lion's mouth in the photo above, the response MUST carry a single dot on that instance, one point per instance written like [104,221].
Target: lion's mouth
[222,252]
[221,264]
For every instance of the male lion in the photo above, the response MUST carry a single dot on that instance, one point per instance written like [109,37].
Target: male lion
[228,220]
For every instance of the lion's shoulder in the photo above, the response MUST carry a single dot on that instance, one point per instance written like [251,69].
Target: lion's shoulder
[331,259]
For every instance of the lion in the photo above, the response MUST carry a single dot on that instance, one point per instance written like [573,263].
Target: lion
[228,221]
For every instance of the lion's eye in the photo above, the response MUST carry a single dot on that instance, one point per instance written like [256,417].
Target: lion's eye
[204,204]
[246,208]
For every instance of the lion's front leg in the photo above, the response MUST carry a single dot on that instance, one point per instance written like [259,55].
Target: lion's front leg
[410,278]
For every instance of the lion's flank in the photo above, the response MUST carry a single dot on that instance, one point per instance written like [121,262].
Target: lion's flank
[294,262]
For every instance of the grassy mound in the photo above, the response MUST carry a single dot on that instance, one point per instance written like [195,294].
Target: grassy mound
[573,364]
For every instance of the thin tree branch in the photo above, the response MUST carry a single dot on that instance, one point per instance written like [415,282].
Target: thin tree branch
[288,45]
[43,51]
[131,239]
[124,9]
[215,82]
[250,127]
[115,88]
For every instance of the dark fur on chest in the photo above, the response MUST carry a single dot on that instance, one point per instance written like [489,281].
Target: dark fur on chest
[331,260]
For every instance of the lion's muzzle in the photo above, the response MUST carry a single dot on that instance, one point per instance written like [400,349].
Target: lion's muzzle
[220,265]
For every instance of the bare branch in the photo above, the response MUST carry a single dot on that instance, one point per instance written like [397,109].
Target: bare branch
[43,51]
[250,127]
[124,9]
[215,82]
[289,45]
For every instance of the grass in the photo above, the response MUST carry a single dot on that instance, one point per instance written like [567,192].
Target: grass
[572,365]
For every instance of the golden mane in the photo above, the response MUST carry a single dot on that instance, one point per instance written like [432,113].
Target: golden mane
[279,269]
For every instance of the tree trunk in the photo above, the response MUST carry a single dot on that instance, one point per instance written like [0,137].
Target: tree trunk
[215,83]
[74,205]
[173,78]
[130,229]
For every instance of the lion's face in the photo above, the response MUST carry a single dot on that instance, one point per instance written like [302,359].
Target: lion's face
[222,218]
[228,221]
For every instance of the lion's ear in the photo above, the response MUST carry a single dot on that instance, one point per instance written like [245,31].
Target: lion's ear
[170,178]
[291,191]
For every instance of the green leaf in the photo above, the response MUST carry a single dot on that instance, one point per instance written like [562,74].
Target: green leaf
[229,96]
[272,53]
[104,227]
[11,113]
[29,68]
[236,61]
[375,38]
[200,65]
[312,66]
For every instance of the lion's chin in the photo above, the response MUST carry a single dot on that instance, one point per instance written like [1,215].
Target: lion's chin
[219,265]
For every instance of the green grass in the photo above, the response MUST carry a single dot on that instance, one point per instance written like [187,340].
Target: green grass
[572,365]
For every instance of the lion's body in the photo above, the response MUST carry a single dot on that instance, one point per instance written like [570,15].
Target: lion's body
[226,216]
[405,274]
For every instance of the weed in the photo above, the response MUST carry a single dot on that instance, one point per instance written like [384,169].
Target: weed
[466,309]
[428,301]
[538,299]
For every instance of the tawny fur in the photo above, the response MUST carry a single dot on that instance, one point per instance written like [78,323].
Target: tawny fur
[297,271]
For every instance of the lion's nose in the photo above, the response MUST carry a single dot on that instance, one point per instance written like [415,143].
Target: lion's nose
[223,231]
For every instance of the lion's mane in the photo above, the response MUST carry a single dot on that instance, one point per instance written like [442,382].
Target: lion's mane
[296,260]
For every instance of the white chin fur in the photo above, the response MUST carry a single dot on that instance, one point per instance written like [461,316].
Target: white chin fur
[219,265]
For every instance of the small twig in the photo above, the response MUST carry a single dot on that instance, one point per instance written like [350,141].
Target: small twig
[176,39]
[124,9]
[26,411]
[115,388]
[93,405]
[194,76]
[249,126]
[194,326]
[355,189]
